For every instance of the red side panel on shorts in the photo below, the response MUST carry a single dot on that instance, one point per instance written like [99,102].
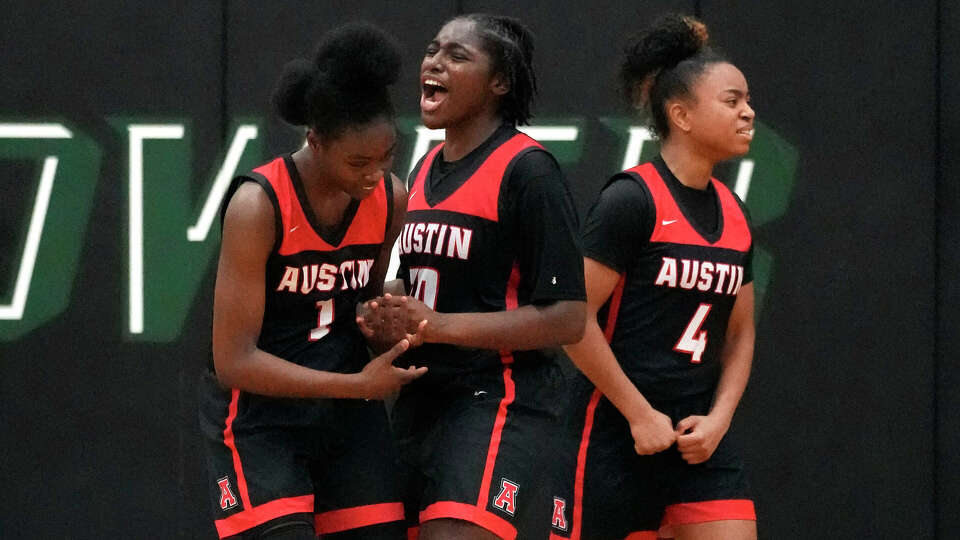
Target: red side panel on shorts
[480,194]
[479,516]
[677,230]
[413,533]
[700,512]
[257,515]
[495,438]
[231,444]
[359,516]
[582,465]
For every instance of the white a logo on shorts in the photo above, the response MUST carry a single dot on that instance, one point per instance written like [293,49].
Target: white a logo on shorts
[559,513]
[227,499]
[507,499]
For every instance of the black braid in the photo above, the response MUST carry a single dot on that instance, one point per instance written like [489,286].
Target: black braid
[510,44]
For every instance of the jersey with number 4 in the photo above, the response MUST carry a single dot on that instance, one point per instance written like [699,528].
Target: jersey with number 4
[314,274]
[667,317]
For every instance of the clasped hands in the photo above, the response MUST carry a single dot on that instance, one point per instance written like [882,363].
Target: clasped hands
[387,319]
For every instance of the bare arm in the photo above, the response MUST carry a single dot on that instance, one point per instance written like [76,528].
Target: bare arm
[652,430]
[524,328]
[376,285]
[248,236]
[736,356]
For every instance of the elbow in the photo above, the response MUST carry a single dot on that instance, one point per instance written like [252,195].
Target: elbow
[227,368]
[571,323]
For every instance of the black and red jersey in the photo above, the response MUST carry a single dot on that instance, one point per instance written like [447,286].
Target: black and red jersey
[315,274]
[667,317]
[490,232]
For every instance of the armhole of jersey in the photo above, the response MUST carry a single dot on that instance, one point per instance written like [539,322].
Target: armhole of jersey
[262,181]
[412,177]
[388,191]
[652,204]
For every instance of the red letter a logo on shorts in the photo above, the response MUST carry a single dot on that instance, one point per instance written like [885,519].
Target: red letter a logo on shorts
[227,499]
[559,513]
[507,499]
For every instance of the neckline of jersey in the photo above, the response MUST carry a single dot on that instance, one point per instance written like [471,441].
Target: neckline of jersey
[674,185]
[466,166]
[332,235]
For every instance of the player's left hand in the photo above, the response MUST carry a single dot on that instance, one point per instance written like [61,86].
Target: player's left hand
[698,437]
[412,313]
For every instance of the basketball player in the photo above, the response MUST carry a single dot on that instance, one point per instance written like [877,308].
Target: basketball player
[490,258]
[294,447]
[669,337]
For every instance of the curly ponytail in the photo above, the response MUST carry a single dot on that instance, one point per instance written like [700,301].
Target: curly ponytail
[662,62]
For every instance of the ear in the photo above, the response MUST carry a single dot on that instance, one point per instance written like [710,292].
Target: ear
[678,114]
[313,140]
[500,85]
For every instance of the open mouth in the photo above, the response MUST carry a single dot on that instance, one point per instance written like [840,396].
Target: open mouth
[432,95]
[746,132]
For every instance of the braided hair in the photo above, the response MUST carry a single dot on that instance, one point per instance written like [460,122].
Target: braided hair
[663,62]
[509,43]
[344,84]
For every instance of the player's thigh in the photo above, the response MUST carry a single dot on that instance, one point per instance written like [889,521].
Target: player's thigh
[739,529]
[454,529]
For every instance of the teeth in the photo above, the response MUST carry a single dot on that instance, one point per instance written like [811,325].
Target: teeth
[431,82]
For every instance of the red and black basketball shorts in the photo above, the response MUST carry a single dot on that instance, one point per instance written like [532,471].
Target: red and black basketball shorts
[331,461]
[478,449]
[610,492]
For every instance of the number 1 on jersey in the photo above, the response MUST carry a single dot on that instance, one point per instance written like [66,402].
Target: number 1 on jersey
[324,320]
[694,341]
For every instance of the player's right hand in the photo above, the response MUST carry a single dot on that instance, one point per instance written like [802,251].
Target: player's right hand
[380,377]
[653,432]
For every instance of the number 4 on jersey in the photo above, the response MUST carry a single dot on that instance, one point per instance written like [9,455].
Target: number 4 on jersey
[694,341]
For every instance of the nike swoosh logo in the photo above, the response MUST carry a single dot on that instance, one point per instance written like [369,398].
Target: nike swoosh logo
[411,194]
[479,393]
[668,222]
[294,228]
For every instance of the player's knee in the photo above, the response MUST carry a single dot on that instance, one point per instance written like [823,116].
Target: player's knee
[454,529]
[292,527]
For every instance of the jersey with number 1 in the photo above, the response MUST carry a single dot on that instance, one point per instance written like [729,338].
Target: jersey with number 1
[667,317]
[315,274]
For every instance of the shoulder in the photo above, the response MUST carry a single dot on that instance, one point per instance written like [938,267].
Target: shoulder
[250,202]
[534,162]
[626,189]
[250,216]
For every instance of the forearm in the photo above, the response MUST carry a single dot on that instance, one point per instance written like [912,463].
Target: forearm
[736,360]
[592,356]
[524,328]
[259,372]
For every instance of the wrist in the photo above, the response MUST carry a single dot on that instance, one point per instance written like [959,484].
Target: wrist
[639,411]
[722,416]
[434,331]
